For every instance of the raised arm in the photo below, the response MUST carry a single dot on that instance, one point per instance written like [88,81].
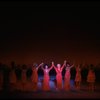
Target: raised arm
[42,68]
[72,66]
[39,66]
[63,65]
[54,65]
[51,66]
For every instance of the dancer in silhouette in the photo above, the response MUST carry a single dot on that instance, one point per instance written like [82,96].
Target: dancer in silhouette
[24,77]
[12,77]
[91,79]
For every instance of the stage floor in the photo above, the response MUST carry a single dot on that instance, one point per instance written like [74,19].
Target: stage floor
[53,93]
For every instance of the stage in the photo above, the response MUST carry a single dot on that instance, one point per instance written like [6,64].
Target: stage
[53,93]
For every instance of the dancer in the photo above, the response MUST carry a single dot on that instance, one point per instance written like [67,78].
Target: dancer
[12,78]
[78,77]
[91,79]
[67,76]
[59,75]
[46,78]
[34,76]
[24,77]
[19,86]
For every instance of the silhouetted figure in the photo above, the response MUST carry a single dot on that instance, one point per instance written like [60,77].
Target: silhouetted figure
[18,72]
[34,77]
[84,73]
[67,76]
[19,75]
[29,73]
[58,70]
[91,79]
[6,71]
[24,77]
[97,72]
[12,77]
[46,77]
[78,77]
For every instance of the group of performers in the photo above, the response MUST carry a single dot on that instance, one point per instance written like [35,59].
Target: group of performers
[46,78]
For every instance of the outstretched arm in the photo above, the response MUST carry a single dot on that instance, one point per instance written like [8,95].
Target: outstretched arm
[54,65]
[72,66]
[39,66]
[51,66]
[42,68]
[63,65]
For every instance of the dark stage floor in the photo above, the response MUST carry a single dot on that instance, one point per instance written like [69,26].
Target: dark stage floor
[53,93]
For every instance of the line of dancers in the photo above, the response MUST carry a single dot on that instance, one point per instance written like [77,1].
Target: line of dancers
[21,85]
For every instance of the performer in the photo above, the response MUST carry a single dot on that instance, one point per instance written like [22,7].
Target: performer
[46,78]
[34,76]
[78,77]
[91,79]
[12,79]
[59,75]
[24,77]
[67,77]
[19,86]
